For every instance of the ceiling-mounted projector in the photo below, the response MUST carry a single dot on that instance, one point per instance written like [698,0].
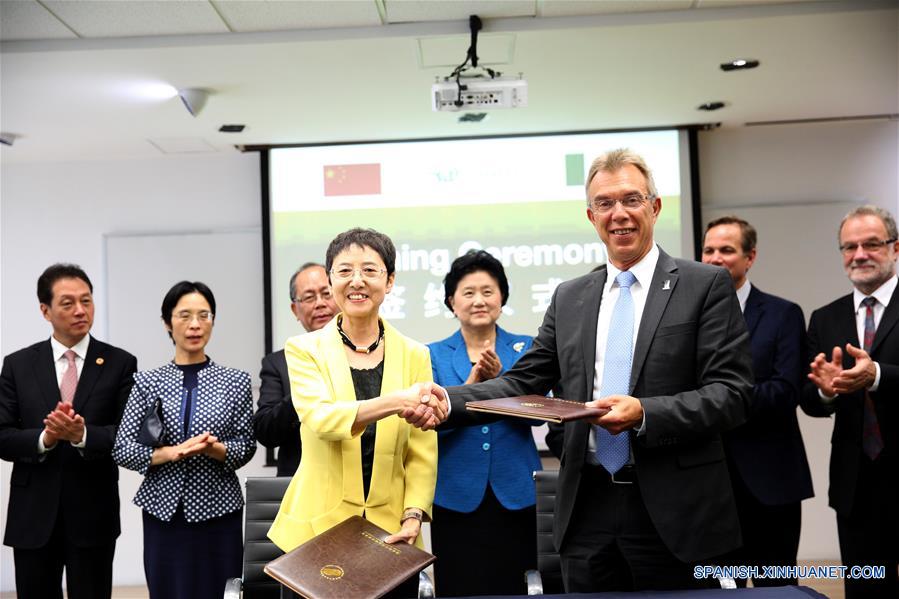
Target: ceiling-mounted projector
[478,94]
[468,89]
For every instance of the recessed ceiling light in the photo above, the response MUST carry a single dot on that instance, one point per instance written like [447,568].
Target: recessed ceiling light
[472,117]
[150,90]
[710,106]
[739,64]
[231,128]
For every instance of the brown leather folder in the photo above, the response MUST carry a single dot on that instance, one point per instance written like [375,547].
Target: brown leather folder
[348,561]
[552,409]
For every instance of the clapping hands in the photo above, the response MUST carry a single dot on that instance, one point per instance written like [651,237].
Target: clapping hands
[830,377]
[487,367]
[204,443]
[63,424]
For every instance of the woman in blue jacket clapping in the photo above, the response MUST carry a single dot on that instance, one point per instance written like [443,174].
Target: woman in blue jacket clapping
[484,504]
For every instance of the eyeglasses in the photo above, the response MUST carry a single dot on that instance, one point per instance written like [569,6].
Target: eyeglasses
[366,272]
[869,246]
[633,201]
[187,316]
[309,298]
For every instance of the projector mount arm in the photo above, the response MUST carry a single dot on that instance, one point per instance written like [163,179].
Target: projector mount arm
[474,23]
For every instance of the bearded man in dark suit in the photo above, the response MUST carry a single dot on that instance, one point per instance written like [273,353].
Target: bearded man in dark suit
[60,404]
[854,342]
[643,492]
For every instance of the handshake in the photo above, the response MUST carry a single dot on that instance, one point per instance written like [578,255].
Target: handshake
[424,405]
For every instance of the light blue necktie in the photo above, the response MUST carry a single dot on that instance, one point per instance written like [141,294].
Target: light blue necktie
[613,451]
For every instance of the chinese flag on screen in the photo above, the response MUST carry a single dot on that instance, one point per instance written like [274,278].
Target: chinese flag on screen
[352,179]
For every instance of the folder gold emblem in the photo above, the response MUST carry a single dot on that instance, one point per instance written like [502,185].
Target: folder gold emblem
[332,572]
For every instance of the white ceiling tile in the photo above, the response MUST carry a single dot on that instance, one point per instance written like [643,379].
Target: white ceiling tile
[99,18]
[182,145]
[573,8]
[409,11]
[255,15]
[732,3]
[28,20]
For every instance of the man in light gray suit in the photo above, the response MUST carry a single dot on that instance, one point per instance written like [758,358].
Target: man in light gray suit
[644,492]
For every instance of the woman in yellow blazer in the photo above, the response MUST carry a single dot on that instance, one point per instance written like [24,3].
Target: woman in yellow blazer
[350,380]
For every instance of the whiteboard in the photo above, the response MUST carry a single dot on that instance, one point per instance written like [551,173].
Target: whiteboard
[141,268]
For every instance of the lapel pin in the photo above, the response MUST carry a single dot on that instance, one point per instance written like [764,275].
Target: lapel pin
[518,346]
[100,361]
[667,285]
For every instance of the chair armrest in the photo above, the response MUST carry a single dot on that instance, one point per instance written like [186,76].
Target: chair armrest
[534,582]
[233,588]
[425,586]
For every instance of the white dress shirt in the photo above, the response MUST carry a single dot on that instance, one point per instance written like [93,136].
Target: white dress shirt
[643,272]
[62,365]
[743,294]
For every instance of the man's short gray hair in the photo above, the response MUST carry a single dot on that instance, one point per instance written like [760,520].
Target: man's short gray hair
[615,160]
[293,278]
[870,210]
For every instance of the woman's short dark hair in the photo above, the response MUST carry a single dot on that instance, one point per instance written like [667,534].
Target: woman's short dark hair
[363,238]
[474,261]
[55,272]
[179,290]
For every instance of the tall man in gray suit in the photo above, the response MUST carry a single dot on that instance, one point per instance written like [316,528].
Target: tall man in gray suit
[275,422]
[643,491]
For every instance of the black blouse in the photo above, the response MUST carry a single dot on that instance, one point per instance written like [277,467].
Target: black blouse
[189,391]
[367,383]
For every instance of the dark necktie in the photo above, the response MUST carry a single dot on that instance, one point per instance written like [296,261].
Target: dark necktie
[613,451]
[872,442]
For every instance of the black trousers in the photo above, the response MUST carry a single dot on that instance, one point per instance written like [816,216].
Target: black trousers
[869,536]
[491,534]
[192,560]
[88,570]
[612,544]
[770,534]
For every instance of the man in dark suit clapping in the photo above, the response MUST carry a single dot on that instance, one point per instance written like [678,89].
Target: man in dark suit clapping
[275,422]
[768,465]
[854,342]
[643,491]
[60,403]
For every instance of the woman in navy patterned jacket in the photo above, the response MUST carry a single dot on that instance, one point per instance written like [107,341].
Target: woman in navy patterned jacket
[190,495]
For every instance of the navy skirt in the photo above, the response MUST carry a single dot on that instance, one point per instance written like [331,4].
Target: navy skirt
[184,560]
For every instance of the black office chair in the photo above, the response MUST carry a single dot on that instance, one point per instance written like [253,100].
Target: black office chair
[263,500]
[547,578]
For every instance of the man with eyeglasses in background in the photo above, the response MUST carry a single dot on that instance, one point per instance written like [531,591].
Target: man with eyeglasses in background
[854,346]
[643,490]
[766,456]
[275,421]
[61,401]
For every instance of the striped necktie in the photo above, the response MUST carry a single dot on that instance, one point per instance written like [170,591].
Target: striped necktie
[872,441]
